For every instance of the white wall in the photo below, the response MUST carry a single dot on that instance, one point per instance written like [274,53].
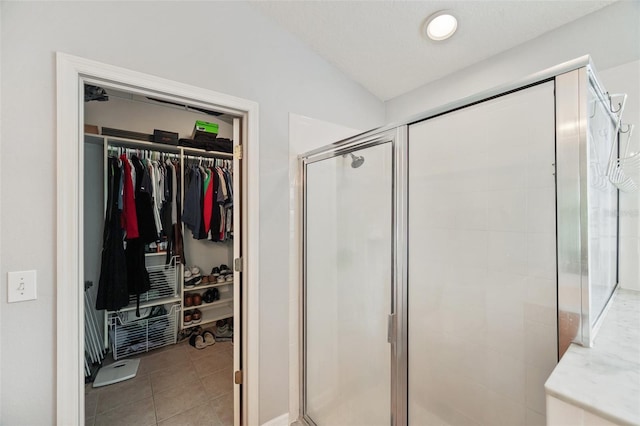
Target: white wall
[222,46]
[611,36]
[94,213]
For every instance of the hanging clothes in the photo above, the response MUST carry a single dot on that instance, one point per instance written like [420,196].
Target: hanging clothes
[169,214]
[192,213]
[209,196]
[129,218]
[112,287]
[144,203]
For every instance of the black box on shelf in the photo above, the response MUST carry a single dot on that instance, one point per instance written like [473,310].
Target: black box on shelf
[165,137]
[220,144]
[127,134]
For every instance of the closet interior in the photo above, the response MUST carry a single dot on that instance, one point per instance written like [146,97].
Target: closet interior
[159,231]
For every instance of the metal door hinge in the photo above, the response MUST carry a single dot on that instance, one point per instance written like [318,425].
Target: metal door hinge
[237,264]
[237,152]
[237,377]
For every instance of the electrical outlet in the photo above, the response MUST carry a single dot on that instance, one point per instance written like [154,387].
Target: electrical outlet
[21,286]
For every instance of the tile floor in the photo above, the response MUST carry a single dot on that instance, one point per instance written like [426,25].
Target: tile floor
[175,385]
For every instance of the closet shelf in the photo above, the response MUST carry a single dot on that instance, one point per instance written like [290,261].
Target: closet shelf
[205,306]
[136,144]
[149,304]
[212,315]
[160,253]
[201,287]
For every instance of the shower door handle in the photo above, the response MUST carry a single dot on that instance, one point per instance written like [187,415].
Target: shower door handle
[391,328]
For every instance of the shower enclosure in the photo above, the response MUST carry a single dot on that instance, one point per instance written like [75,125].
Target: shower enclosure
[447,263]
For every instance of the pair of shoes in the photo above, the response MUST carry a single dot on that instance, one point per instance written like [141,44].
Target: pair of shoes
[196,298]
[211,295]
[197,315]
[187,332]
[222,274]
[223,330]
[192,277]
[201,341]
[192,317]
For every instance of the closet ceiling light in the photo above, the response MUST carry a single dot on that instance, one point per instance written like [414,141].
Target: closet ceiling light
[441,25]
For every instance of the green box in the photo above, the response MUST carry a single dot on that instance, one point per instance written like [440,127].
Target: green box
[206,127]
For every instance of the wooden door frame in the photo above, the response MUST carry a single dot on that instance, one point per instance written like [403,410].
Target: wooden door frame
[72,73]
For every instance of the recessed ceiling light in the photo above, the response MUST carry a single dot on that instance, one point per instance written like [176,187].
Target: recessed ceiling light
[441,25]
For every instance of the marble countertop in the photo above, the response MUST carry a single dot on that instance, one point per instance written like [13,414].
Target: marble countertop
[605,379]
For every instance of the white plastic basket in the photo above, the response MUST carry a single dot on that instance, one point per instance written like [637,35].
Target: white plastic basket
[130,337]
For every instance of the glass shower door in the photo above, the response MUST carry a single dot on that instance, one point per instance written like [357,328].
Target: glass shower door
[482,307]
[347,292]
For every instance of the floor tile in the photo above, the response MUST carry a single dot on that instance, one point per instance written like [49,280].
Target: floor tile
[198,354]
[90,404]
[201,415]
[161,361]
[175,376]
[139,413]
[177,399]
[111,396]
[215,362]
[175,385]
[223,407]
[218,383]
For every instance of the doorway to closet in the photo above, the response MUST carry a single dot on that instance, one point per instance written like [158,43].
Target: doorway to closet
[176,326]
[195,285]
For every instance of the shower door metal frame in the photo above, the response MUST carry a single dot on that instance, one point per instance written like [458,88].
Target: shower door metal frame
[397,332]
[575,318]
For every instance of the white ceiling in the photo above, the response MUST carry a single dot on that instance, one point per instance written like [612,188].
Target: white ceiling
[379,43]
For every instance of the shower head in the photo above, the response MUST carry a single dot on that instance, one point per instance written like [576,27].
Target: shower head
[356,160]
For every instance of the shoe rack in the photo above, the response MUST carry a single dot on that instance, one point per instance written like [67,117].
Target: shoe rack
[210,312]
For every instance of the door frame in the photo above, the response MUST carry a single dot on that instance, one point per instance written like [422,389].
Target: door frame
[72,73]
[397,319]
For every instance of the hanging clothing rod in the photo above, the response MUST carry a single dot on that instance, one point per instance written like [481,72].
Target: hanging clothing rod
[112,141]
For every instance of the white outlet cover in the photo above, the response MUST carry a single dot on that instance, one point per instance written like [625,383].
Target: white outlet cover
[21,286]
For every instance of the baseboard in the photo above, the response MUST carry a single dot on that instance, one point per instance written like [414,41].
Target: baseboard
[282,420]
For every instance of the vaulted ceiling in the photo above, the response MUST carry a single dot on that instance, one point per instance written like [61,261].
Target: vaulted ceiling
[380,44]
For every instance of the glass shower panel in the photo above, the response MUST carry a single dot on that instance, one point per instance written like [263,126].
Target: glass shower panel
[348,288]
[482,262]
[603,205]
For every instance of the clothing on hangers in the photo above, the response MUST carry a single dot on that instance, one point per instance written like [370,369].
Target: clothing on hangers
[209,200]
[112,286]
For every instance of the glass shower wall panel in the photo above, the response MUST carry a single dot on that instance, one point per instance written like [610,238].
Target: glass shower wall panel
[603,205]
[348,288]
[482,307]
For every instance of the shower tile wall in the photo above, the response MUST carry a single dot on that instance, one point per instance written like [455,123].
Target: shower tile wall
[482,262]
